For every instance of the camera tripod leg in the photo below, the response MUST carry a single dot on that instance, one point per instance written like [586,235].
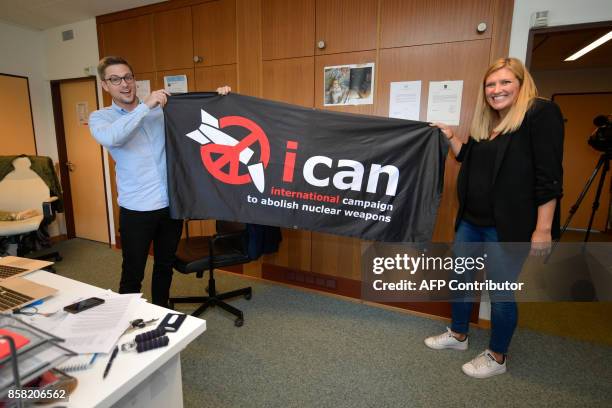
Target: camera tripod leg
[602,179]
[574,208]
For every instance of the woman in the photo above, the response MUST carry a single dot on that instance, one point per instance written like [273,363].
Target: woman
[509,186]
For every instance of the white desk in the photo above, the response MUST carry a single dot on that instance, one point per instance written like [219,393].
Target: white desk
[149,379]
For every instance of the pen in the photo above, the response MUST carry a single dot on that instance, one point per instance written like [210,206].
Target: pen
[110,361]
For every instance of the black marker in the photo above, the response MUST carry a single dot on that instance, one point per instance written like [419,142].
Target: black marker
[110,361]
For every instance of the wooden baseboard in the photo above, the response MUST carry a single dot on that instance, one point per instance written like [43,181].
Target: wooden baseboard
[58,238]
[484,324]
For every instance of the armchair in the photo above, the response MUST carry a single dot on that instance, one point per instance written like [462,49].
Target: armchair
[23,192]
[197,254]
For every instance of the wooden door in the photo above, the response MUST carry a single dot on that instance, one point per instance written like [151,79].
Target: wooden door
[469,59]
[346,25]
[132,39]
[173,39]
[415,22]
[16,126]
[214,33]
[580,159]
[288,28]
[84,161]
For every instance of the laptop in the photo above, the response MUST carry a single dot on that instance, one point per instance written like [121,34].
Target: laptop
[16,292]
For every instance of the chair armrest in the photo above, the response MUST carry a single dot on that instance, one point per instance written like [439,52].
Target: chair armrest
[49,209]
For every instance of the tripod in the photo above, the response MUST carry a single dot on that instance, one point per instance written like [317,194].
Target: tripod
[604,162]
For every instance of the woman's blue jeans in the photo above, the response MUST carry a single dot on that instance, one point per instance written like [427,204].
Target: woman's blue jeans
[504,315]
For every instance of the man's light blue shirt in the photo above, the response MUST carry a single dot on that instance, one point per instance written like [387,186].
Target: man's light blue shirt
[136,141]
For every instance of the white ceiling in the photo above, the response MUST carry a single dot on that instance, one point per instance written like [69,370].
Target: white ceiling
[43,14]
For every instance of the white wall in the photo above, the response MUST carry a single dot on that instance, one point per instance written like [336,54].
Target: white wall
[560,12]
[68,59]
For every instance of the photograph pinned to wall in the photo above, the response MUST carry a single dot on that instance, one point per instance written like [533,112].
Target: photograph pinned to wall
[348,85]
[176,84]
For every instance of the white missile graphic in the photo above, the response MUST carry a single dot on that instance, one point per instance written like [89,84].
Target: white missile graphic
[209,132]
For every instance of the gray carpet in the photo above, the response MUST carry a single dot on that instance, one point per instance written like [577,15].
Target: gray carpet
[300,349]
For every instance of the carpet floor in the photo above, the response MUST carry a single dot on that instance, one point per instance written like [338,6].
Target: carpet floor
[303,349]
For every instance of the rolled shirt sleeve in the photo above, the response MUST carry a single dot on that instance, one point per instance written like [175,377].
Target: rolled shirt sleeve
[547,147]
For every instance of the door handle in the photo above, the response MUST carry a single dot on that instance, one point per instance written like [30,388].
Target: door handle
[70,166]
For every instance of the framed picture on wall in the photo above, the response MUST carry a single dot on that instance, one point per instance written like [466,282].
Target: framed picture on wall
[348,85]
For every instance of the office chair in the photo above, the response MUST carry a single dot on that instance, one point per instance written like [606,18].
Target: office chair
[197,254]
[23,191]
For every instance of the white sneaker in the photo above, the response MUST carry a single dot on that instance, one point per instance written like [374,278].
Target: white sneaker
[484,366]
[446,341]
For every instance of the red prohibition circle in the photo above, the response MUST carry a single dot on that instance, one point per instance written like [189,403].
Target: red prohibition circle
[231,154]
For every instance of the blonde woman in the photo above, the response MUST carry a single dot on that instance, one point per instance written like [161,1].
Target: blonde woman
[508,186]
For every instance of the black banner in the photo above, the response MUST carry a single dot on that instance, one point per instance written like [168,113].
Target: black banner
[246,159]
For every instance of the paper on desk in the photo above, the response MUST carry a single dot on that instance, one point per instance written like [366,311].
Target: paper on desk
[96,330]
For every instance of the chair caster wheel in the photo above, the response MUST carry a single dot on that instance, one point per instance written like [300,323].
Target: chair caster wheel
[248,296]
[239,322]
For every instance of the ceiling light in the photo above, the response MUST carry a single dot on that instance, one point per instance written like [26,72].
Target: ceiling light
[590,47]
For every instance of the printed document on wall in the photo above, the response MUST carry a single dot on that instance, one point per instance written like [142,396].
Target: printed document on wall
[405,100]
[444,102]
[143,89]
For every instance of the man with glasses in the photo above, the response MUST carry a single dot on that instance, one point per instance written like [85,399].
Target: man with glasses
[133,132]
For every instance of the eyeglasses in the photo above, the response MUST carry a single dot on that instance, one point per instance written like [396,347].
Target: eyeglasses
[116,80]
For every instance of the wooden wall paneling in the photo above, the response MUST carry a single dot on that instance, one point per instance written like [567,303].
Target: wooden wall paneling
[415,22]
[208,79]
[322,61]
[289,80]
[469,61]
[159,82]
[294,251]
[288,28]
[152,8]
[248,32]
[131,39]
[502,25]
[199,228]
[337,256]
[214,33]
[173,36]
[346,25]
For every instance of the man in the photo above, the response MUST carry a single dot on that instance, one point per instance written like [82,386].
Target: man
[133,132]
